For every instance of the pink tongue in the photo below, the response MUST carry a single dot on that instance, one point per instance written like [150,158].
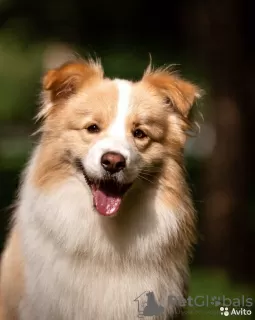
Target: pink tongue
[105,204]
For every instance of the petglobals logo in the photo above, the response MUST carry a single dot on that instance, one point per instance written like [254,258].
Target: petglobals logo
[226,311]
[149,306]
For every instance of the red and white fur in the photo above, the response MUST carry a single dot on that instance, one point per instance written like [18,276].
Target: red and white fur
[63,259]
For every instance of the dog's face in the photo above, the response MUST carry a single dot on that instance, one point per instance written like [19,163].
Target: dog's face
[114,131]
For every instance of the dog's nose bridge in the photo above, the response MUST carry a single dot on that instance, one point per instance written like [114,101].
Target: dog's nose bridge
[115,146]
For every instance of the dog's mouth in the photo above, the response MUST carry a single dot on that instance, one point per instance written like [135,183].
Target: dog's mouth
[108,195]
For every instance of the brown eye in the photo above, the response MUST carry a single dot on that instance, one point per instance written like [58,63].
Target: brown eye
[93,128]
[139,134]
[167,101]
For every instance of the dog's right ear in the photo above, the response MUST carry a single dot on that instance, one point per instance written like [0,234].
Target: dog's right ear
[61,83]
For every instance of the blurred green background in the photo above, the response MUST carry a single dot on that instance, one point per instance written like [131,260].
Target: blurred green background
[213,44]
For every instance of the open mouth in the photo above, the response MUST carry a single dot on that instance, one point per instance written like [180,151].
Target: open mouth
[107,193]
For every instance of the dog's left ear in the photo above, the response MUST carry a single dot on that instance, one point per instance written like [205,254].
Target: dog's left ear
[181,94]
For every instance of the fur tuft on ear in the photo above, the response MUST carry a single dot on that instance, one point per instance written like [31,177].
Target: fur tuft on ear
[61,83]
[181,93]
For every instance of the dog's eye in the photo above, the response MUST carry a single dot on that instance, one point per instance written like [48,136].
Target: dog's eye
[93,128]
[168,101]
[139,134]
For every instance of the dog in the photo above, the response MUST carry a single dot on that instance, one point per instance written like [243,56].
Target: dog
[104,212]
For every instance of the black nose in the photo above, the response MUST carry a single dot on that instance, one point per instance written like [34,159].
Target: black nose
[113,162]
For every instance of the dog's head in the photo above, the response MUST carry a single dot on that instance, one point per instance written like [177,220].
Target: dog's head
[114,132]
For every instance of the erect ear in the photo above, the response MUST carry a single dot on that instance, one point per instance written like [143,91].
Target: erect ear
[61,83]
[180,93]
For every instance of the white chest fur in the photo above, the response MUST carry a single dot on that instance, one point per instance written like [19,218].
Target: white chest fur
[78,266]
[58,288]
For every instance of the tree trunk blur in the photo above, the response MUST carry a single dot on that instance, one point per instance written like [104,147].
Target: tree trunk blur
[219,43]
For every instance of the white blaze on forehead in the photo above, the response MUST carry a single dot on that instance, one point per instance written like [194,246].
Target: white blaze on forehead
[115,139]
[117,127]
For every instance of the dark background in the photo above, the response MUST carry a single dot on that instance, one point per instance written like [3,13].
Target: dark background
[213,43]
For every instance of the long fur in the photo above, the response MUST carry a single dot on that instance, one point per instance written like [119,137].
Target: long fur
[64,261]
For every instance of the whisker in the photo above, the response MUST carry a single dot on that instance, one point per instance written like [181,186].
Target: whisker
[148,168]
[141,177]
[150,171]
[149,174]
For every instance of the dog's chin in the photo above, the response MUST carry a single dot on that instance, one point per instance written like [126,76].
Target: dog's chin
[108,194]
